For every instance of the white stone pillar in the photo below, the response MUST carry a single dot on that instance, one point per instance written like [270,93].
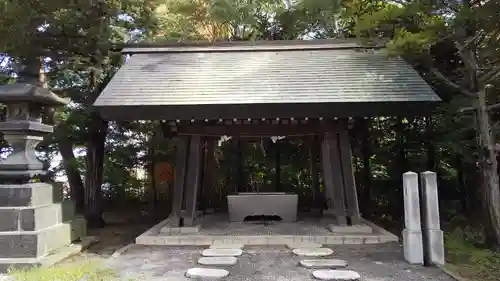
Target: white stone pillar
[412,234]
[432,226]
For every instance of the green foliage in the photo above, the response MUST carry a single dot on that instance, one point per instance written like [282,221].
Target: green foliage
[467,259]
[413,28]
[87,271]
[79,36]
[245,19]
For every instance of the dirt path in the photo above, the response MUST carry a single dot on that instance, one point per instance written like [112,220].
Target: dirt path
[122,229]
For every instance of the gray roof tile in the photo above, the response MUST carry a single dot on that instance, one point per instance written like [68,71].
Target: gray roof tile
[264,76]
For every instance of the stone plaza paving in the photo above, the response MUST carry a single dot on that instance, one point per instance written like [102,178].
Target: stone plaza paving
[308,229]
[381,262]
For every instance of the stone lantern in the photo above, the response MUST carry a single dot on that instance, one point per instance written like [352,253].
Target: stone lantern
[36,224]
[23,130]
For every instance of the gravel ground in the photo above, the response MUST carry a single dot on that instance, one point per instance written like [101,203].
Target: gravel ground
[381,262]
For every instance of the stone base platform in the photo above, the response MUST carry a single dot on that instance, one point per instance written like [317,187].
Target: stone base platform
[216,228]
[35,223]
[50,259]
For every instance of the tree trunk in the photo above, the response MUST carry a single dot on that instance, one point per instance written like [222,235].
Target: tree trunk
[401,167]
[487,155]
[65,144]
[489,167]
[94,176]
[462,185]
[77,191]
[429,143]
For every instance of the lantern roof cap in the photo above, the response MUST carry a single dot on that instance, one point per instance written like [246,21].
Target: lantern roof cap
[23,92]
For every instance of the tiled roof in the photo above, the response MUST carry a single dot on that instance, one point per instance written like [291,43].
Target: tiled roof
[300,75]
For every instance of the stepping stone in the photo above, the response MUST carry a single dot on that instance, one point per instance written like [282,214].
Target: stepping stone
[313,252]
[222,252]
[339,275]
[226,246]
[325,263]
[218,261]
[206,273]
[303,245]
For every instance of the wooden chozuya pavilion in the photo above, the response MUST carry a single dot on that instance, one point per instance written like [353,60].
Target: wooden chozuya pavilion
[268,88]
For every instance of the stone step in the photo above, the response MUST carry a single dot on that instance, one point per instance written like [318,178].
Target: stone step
[303,245]
[174,230]
[222,252]
[351,229]
[226,246]
[35,218]
[30,194]
[206,273]
[335,274]
[218,261]
[323,263]
[35,244]
[312,252]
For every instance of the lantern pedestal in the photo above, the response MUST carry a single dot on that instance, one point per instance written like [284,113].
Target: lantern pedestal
[35,221]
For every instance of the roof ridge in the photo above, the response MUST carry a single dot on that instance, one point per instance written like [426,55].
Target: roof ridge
[249,46]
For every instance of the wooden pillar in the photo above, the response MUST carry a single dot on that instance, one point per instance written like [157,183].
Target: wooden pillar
[193,179]
[209,174]
[239,172]
[277,164]
[200,203]
[348,176]
[182,145]
[317,197]
[332,177]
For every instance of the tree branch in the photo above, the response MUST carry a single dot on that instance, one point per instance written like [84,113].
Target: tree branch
[490,75]
[476,39]
[472,108]
[451,84]
[466,109]
[469,61]
[493,106]
[451,6]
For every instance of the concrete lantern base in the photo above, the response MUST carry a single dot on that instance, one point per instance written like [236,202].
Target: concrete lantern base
[35,222]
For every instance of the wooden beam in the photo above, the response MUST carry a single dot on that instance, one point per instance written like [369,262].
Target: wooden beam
[182,144]
[348,178]
[318,201]
[277,167]
[260,129]
[239,176]
[209,173]
[332,177]
[193,179]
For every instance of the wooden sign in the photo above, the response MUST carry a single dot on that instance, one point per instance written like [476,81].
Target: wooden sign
[164,172]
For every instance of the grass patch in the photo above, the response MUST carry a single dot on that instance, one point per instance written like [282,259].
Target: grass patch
[89,271]
[468,260]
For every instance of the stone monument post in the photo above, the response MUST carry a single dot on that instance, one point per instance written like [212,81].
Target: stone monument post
[34,218]
[412,234]
[432,227]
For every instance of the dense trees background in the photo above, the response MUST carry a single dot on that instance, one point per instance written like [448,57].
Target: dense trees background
[453,44]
